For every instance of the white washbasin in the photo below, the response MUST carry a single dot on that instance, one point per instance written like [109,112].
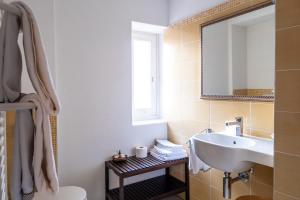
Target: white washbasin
[233,153]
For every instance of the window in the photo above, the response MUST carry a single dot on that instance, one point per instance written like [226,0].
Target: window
[145,76]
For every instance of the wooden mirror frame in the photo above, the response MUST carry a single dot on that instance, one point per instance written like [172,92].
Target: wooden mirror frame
[232,97]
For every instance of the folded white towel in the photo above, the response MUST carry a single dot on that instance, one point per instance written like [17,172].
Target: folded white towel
[173,150]
[166,158]
[195,164]
[166,152]
[168,145]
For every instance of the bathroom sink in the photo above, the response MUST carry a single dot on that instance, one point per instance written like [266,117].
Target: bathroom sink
[233,153]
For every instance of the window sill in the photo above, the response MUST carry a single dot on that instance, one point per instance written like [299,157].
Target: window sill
[149,122]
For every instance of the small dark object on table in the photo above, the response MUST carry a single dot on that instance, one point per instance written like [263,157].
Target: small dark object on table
[119,157]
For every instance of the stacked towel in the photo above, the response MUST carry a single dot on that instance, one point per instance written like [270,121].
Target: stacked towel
[165,150]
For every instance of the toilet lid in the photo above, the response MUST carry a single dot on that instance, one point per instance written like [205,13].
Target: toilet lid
[65,193]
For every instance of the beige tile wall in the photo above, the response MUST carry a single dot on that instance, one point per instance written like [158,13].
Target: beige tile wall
[287,104]
[187,114]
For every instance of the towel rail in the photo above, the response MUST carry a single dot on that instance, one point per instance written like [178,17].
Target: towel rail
[3,166]
[16,106]
[11,9]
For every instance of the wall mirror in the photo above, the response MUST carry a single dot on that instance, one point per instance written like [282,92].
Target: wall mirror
[238,56]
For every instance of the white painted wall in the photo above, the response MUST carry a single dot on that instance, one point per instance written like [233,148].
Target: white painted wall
[180,9]
[93,40]
[261,55]
[215,62]
[238,56]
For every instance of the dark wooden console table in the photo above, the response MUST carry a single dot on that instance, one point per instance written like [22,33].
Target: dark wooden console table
[151,189]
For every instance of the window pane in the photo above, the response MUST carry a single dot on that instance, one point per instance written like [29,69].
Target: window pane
[142,74]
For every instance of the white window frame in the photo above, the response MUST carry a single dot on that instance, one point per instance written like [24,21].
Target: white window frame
[153,113]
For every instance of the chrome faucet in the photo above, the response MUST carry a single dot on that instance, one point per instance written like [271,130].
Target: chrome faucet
[240,123]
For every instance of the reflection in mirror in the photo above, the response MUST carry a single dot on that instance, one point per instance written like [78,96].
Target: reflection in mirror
[238,55]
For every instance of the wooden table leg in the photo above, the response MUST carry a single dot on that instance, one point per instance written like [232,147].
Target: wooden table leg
[106,181]
[187,181]
[167,171]
[121,189]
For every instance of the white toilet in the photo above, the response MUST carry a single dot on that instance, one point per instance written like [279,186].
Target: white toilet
[65,193]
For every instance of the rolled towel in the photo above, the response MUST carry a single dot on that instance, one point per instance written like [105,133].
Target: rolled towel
[195,164]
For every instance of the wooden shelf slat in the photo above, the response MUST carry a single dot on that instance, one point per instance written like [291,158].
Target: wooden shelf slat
[134,166]
[151,189]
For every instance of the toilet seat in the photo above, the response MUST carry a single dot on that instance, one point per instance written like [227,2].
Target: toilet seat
[65,193]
